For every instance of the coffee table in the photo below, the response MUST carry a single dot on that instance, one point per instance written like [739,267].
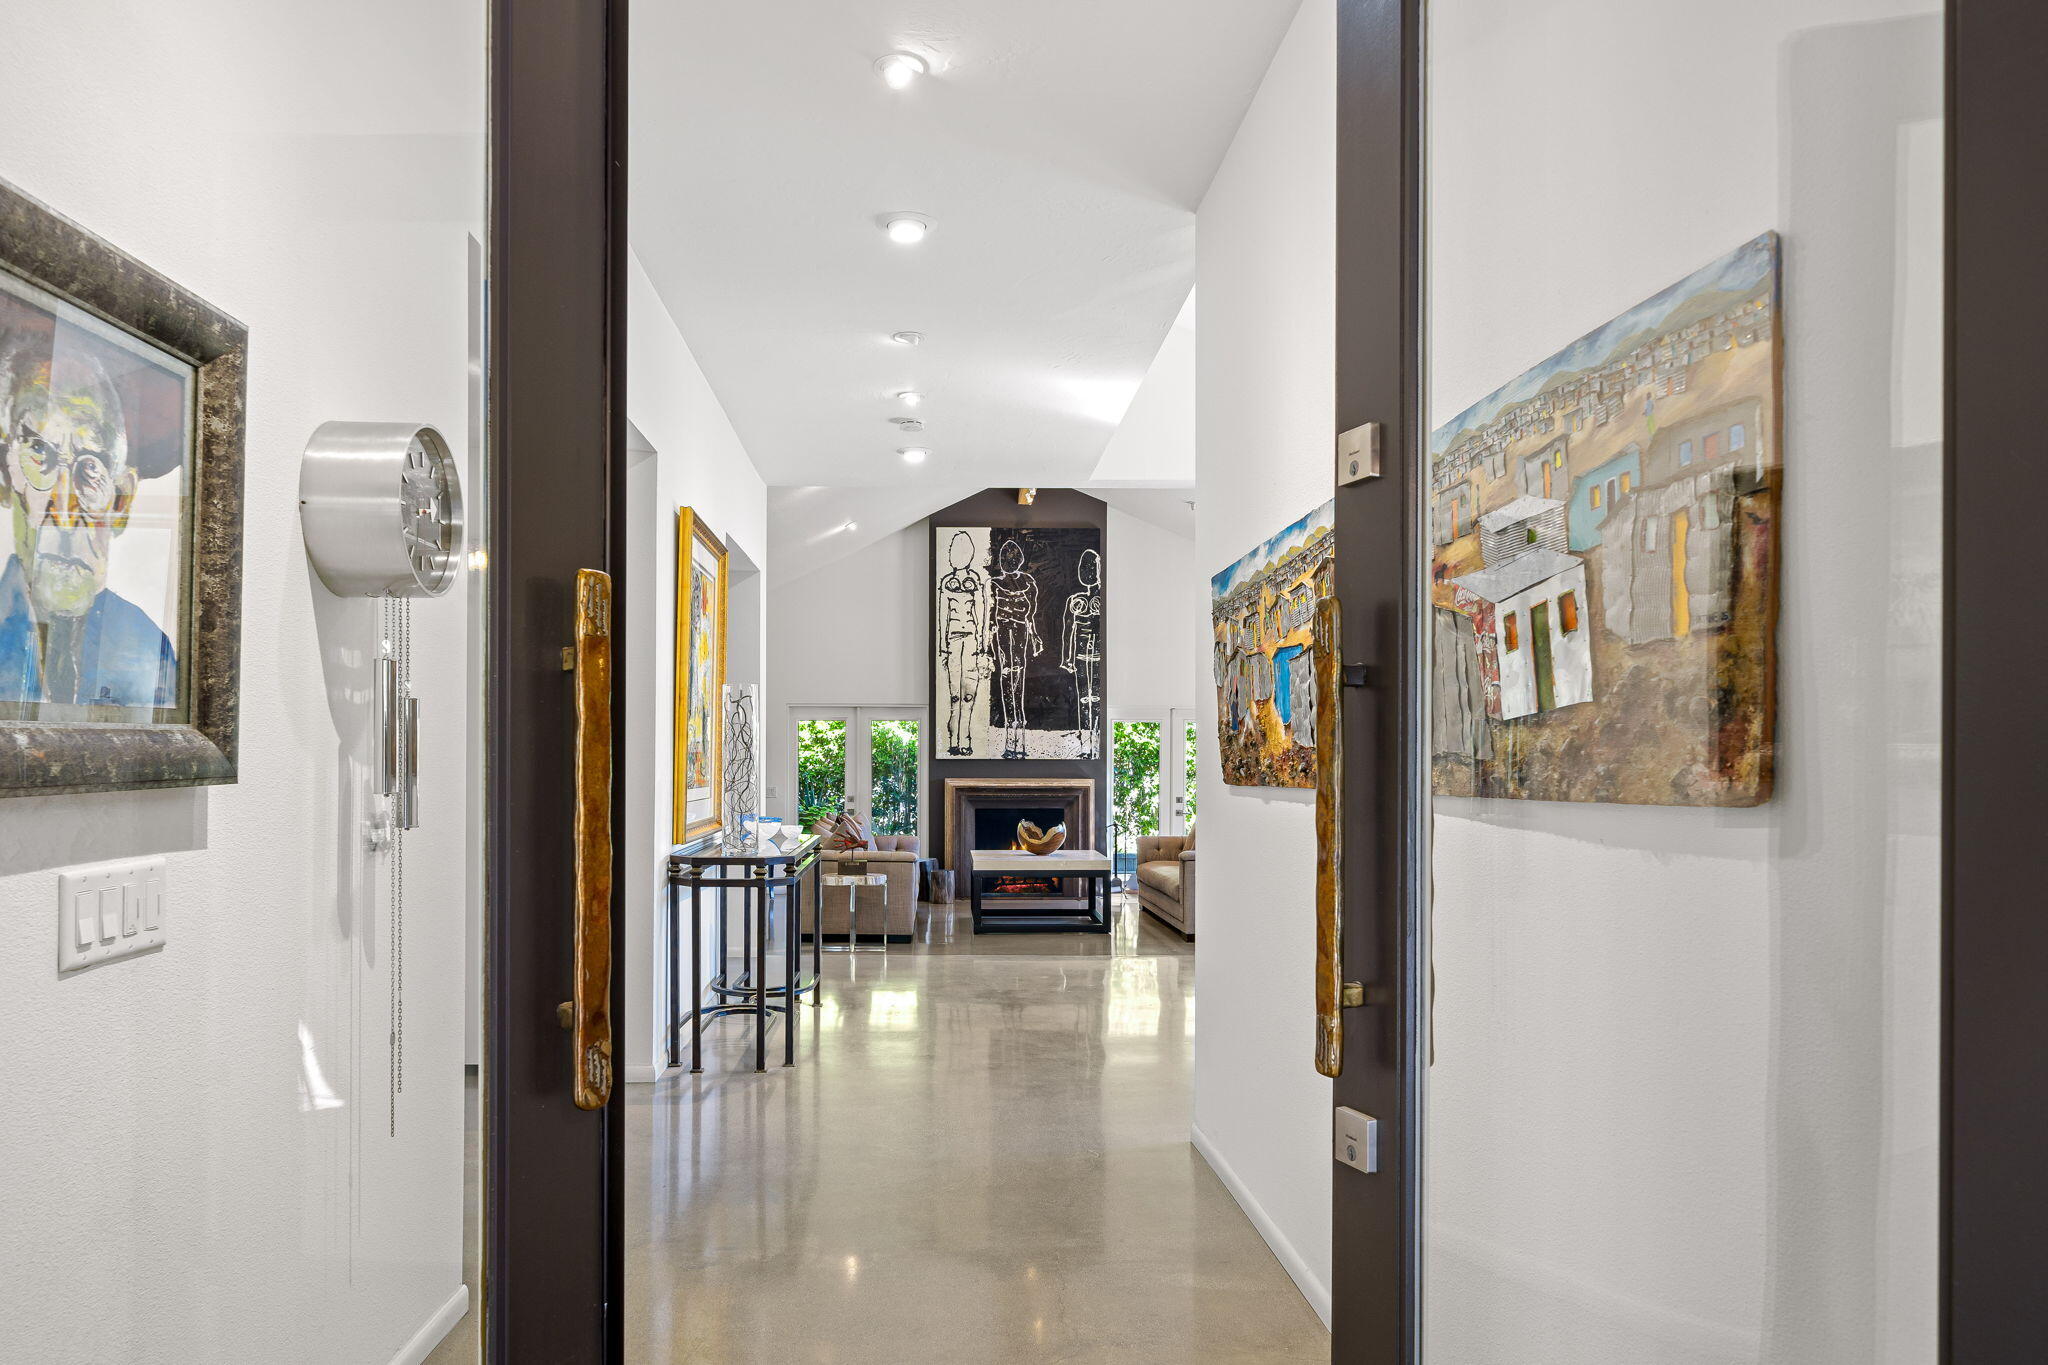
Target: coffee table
[1036,917]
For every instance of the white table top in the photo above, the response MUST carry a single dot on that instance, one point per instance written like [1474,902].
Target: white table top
[854,879]
[1065,861]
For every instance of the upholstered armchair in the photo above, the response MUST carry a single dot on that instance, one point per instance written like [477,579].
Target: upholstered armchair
[1166,880]
[895,856]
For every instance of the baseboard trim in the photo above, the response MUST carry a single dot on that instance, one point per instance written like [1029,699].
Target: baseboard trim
[645,1075]
[1314,1290]
[434,1328]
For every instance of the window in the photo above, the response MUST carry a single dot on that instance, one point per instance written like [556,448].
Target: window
[1596,495]
[1685,452]
[1568,611]
[1650,536]
[1512,632]
[1624,483]
[1532,535]
[1557,458]
[1737,437]
[1713,444]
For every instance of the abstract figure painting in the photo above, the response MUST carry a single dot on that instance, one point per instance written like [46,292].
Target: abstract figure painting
[1604,584]
[700,677]
[121,433]
[1018,642]
[1263,611]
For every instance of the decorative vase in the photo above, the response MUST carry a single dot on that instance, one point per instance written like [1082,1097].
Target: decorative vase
[1040,841]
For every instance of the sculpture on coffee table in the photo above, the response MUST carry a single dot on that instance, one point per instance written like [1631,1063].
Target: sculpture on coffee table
[1032,839]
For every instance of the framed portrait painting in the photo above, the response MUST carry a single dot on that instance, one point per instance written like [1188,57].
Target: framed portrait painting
[700,676]
[121,435]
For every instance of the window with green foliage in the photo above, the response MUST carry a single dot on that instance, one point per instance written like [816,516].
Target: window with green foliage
[1134,781]
[820,769]
[1188,750]
[892,764]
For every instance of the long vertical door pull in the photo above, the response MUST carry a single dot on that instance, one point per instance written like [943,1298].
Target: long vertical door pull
[591,1010]
[1329,676]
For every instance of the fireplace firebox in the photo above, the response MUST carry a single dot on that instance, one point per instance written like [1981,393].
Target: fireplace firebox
[983,813]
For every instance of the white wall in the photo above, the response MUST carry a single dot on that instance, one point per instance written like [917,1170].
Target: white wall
[1683,1103]
[180,1187]
[1265,359]
[696,461]
[1158,619]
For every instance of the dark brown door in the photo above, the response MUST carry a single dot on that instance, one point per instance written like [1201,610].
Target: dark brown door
[1374,1277]
[1995,1007]
[553,1226]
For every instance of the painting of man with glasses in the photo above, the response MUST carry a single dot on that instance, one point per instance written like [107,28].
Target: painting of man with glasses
[95,435]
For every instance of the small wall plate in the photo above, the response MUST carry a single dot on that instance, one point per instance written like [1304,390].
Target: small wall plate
[1358,454]
[1357,1140]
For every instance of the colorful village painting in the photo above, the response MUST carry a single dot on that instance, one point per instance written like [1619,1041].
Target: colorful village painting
[1263,611]
[1604,575]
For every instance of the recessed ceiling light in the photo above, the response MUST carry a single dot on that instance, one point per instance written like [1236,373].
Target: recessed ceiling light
[908,423]
[907,338]
[910,398]
[913,454]
[899,69]
[907,229]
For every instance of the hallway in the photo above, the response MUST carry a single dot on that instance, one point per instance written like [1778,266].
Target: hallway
[982,1155]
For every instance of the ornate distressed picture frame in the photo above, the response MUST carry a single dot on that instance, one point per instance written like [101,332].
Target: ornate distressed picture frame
[122,429]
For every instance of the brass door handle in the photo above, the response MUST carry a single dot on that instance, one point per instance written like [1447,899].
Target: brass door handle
[1330,993]
[590,1021]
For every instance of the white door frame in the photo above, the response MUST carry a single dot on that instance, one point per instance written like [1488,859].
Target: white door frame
[859,777]
[1174,789]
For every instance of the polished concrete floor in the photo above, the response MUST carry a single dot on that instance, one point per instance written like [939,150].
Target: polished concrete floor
[982,1155]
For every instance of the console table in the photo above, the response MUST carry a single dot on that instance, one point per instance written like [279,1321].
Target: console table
[757,871]
[987,864]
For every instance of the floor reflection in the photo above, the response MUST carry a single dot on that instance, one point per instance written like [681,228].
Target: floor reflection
[981,1155]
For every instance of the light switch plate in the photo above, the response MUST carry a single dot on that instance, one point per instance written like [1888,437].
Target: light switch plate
[109,911]
[1358,1140]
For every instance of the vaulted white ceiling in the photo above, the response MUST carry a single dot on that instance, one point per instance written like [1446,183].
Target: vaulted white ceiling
[1059,148]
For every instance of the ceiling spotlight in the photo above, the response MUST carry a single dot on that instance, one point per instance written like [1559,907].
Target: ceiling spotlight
[907,229]
[907,338]
[851,526]
[908,423]
[899,69]
[910,398]
[913,454]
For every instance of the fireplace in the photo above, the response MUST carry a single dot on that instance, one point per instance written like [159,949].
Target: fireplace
[996,827]
[983,813]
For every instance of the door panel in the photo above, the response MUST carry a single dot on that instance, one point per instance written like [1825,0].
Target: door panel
[1682,1092]
[557,475]
[1375,1285]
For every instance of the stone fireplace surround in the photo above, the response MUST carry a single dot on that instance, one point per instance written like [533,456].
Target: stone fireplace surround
[1073,796]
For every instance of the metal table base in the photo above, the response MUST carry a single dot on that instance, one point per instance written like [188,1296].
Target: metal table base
[760,874]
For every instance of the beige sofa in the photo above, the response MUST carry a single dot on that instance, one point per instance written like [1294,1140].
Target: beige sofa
[895,857]
[1166,880]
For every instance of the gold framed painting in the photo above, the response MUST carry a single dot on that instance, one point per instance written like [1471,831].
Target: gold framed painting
[700,676]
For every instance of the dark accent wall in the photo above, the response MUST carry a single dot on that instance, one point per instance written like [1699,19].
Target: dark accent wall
[999,507]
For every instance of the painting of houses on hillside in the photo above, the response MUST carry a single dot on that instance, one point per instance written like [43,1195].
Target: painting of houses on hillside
[1263,611]
[1604,575]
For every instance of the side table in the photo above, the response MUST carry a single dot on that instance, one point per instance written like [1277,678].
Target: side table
[853,882]
[757,870]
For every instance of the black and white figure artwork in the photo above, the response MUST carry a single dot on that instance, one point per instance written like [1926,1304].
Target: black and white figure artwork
[1019,642]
